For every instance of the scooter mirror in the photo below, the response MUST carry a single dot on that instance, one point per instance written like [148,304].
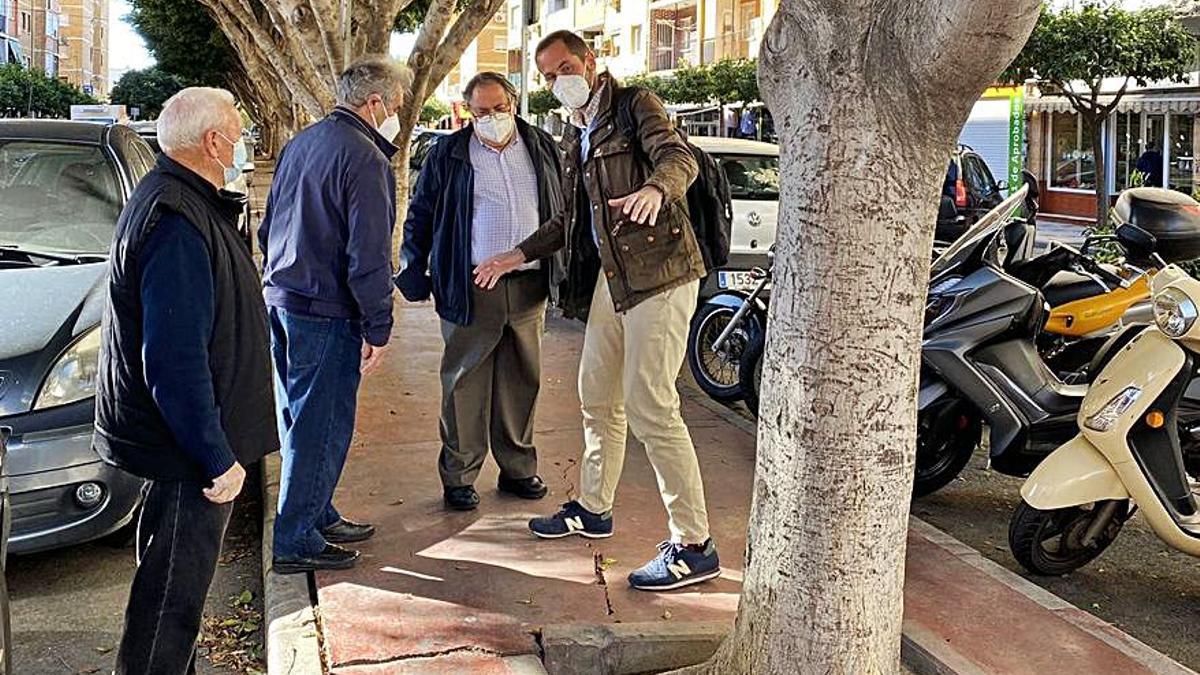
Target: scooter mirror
[1139,242]
[1027,178]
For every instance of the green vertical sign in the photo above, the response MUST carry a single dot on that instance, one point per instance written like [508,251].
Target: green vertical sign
[1016,138]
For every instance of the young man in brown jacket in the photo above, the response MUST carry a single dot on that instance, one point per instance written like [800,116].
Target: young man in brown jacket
[633,272]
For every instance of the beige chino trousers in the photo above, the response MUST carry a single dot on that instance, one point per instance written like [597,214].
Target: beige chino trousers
[627,382]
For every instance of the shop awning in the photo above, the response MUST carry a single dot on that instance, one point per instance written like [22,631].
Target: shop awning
[1163,102]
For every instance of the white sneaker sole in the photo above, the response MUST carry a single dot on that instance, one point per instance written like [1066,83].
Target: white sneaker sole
[680,584]
[581,533]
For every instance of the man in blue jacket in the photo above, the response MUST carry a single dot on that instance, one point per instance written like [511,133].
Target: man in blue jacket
[483,190]
[327,267]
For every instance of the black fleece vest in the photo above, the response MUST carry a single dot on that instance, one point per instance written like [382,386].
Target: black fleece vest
[130,431]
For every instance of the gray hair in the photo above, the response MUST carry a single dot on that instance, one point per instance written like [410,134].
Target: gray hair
[190,114]
[490,77]
[373,75]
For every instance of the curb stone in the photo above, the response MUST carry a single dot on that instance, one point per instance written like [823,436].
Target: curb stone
[293,644]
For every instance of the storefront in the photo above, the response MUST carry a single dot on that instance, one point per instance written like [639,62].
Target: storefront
[1152,138]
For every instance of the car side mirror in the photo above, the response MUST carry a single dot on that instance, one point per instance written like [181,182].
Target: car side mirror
[1002,186]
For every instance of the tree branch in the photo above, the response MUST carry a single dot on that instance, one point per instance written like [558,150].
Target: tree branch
[1116,99]
[437,17]
[466,28]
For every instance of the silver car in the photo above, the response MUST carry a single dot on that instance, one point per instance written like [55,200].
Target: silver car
[62,187]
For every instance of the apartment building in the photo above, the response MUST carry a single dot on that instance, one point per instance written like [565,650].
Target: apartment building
[489,51]
[632,37]
[83,39]
[29,30]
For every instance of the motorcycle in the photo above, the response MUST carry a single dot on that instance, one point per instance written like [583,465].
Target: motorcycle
[1136,447]
[720,331]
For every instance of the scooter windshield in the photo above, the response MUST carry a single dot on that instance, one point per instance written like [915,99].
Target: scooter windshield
[981,232]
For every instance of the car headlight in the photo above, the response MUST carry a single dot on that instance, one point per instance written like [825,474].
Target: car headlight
[1106,419]
[73,376]
[1174,312]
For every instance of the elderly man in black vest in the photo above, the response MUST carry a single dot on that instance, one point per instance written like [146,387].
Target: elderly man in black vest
[184,395]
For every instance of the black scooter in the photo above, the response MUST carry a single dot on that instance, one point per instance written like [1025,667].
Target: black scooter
[5,516]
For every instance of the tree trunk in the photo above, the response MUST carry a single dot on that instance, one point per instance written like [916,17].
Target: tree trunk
[868,97]
[1097,139]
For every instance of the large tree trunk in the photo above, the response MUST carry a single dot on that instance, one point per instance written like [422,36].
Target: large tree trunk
[868,97]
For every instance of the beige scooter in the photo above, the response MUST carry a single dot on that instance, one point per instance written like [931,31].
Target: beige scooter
[1128,450]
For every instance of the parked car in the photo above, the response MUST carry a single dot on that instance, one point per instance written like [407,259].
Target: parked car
[968,193]
[753,172]
[5,616]
[149,133]
[422,142]
[62,186]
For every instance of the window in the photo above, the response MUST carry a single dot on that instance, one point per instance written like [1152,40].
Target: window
[753,177]
[979,177]
[25,22]
[57,196]
[500,43]
[557,5]
[1071,162]
[635,38]
[514,16]
[1130,148]
[1182,176]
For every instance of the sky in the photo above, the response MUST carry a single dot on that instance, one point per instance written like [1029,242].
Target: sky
[127,50]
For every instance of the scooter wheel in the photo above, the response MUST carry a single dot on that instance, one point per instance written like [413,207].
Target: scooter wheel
[717,372]
[947,435]
[750,372]
[1050,543]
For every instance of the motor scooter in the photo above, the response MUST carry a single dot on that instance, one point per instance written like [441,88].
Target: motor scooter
[5,520]
[1135,449]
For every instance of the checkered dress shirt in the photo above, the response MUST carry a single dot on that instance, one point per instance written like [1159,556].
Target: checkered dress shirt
[506,199]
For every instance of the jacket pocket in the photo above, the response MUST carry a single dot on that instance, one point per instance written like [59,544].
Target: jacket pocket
[651,257]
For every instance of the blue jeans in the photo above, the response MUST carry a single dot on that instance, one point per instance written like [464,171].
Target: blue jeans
[316,391]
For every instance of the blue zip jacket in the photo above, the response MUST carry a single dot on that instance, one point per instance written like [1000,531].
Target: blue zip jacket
[437,233]
[327,235]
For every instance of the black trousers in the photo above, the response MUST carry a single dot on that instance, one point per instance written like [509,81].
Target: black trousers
[179,538]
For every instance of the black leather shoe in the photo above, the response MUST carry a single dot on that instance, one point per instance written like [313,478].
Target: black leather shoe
[332,558]
[347,532]
[463,498]
[525,488]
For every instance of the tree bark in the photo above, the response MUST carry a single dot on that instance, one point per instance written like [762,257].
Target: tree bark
[1097,139]
[868,97]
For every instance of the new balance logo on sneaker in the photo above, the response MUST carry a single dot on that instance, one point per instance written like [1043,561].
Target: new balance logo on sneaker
[677,566]
[573,519]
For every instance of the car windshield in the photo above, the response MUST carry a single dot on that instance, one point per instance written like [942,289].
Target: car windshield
[752,176]
[57,197]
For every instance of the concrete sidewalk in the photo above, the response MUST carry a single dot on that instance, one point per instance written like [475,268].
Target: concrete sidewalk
[439,592]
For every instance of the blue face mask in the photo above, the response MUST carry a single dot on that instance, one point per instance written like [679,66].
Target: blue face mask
[240,156]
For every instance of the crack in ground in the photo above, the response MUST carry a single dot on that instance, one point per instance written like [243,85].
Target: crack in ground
[598,567]
[428,655]
[570,464]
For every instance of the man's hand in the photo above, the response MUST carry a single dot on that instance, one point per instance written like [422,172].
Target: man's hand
[488,273]
[227,486]
[641,207]
[371,356]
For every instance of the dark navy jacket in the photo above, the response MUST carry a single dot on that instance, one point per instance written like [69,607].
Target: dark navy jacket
[327,235]
[437,234]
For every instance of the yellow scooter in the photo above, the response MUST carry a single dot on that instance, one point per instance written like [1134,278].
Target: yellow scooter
[1135,446]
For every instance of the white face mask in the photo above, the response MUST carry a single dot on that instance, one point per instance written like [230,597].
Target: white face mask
[572,91]
[389,127]
[496,128]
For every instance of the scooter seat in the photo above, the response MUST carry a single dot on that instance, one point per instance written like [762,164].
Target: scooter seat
[1067,286]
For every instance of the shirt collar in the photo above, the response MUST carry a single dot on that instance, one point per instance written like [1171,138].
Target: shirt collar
[583,117]
[385,146]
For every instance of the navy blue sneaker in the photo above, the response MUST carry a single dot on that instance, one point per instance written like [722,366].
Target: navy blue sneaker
[573,519]
[677,566]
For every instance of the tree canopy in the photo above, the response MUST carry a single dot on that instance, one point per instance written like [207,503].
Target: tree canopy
[724,81]
[146,90]
[185,41]
[25,92]
[1073,51]
[433,110]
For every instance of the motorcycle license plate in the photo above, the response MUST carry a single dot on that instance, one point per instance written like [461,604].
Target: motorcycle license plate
[736,281]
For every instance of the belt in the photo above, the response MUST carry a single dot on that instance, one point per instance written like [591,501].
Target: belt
[521,274]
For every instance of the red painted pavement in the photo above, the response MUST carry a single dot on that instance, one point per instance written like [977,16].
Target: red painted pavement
[433,584]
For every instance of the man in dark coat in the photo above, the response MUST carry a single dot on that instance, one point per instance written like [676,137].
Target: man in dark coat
[183,394]
[481,192]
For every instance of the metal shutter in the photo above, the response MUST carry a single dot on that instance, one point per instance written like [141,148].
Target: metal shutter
[986,131]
